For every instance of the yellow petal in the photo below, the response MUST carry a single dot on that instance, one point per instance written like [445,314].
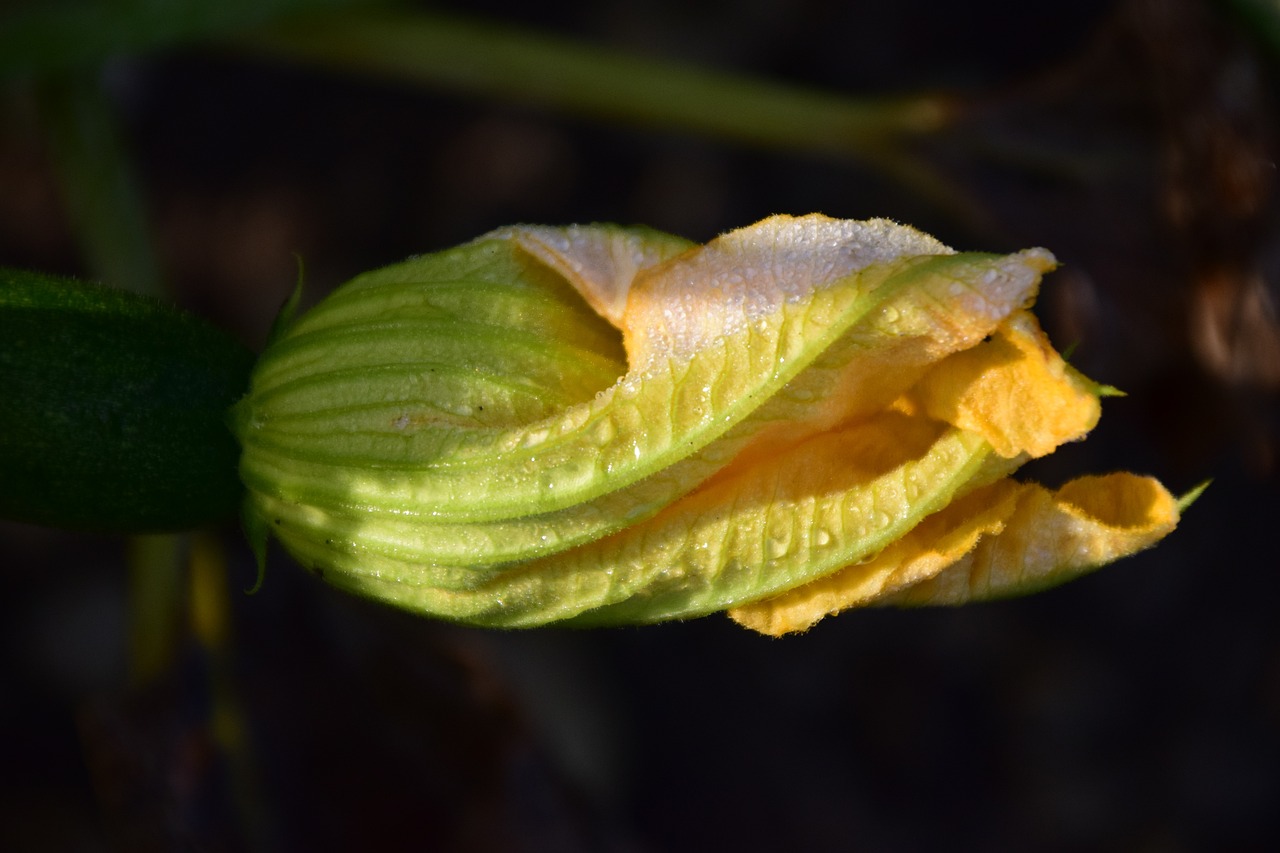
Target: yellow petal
[941,305]
[1014,390]
[1053,537]
[936,543]
[1002,540]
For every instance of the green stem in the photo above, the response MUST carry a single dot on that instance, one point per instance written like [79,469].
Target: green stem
[113,410]
[157,596]
[1259,19]
[486,59]
[43,36]
[212,627]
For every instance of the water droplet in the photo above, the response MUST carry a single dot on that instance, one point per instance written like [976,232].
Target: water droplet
[603,432]
[880,519]
[574,419]
[821,538]
[778,548]
[890,314]
[535,438]
[913,488]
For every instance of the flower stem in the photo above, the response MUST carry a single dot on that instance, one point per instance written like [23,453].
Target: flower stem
[114,409]
[488,59]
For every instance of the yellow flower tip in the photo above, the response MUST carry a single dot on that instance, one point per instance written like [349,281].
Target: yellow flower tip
[1001,540]
[1122,501]
[1039,259]
[1054,537]
[1015,390]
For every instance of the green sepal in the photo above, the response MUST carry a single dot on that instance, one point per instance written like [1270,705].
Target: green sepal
[257,529]
[288,312]
[1186,500]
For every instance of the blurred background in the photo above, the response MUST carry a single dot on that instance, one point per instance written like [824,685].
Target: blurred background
[196,148]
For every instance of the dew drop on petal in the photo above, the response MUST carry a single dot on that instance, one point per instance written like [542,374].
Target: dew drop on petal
[574,420]
[602,432]
[913,488]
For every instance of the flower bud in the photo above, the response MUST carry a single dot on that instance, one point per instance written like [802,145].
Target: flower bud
[605,425]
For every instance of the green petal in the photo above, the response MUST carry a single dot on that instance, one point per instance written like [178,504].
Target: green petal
[771,527]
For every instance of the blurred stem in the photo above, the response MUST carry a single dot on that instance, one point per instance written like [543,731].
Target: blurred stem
[98,184]
[155,604]
[40,37]
[1261,19]
[478,58]
[488,59]
[211,626]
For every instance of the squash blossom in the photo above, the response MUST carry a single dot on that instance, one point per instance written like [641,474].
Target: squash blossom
[601,425]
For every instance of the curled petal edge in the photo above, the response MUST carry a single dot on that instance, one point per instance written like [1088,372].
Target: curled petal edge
[1005,539]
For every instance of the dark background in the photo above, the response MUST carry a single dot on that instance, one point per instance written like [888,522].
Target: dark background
[1137,709]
